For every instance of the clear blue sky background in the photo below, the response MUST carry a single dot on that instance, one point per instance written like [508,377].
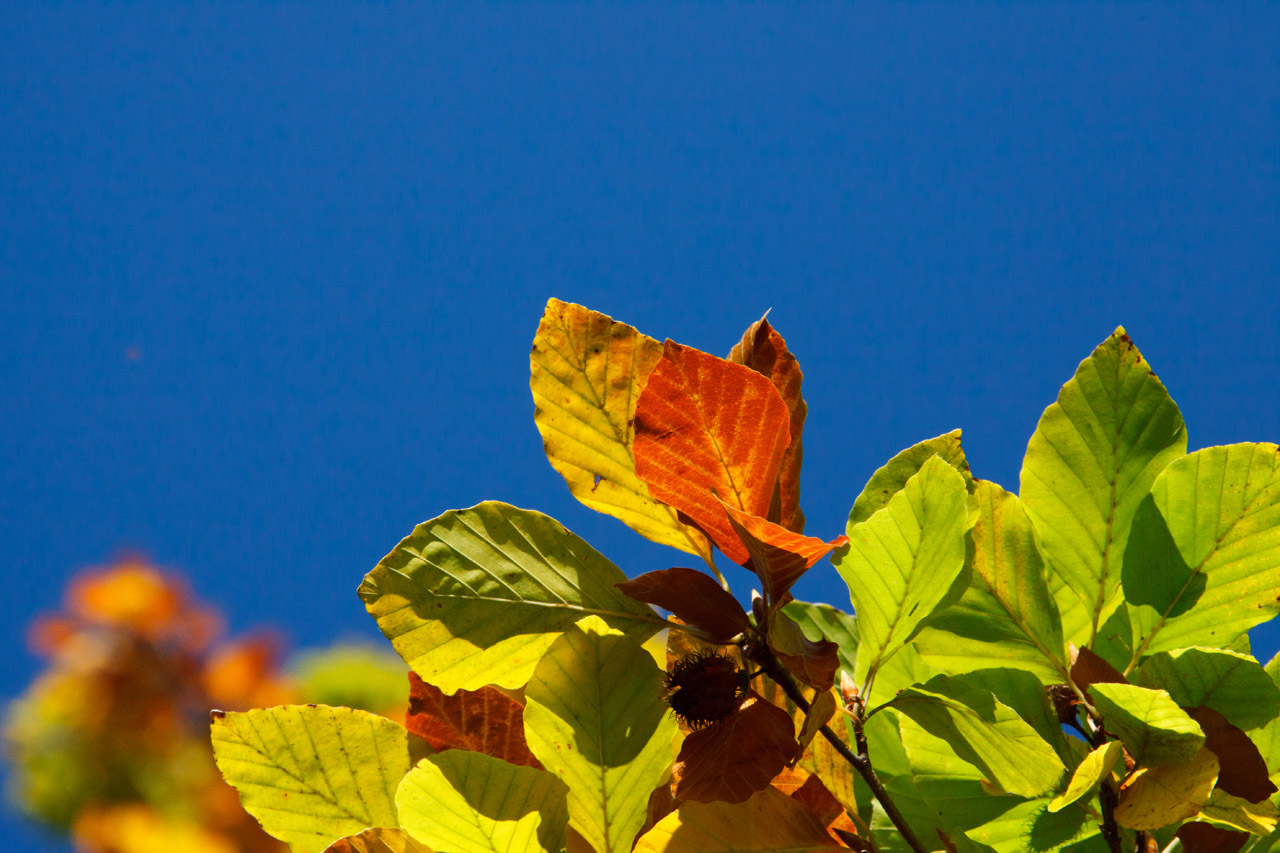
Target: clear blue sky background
[328,235]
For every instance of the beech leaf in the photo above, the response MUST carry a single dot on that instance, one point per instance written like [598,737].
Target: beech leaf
[1158,796]
[1095,767]
[1152,727]
[1256,818]
[705,429]
[693,597]
[812,661]
[777,555]
[769,820]
[484,720]
[1243,770]
[738,756]
[764,351]
[586,372]
[890,478]
[378,840]
[1206,838]
[1233,684]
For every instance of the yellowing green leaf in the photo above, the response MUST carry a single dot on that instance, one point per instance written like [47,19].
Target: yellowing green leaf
[1204,566]
[378,840]
[312,774]
[1230,683]
[586,373]
[1222,809]
[476,596]
[1096,766]
[1007,617]
[770,820]
[1158,796]
[889,479]
[468,802]
[595,717]
[1148,722]
[984,732]
[1092,459]
[903,562]
[1267,738]
[821,710]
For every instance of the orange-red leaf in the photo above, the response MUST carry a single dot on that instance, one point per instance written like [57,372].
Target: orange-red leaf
[732,759]
[764,351]
[1205,838]
[705,429]
[484,720]
[693,597]
[777,555]
[1243,772]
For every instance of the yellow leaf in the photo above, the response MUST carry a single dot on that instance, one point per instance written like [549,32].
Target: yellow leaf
[1095,767]
[1238,813]
[770,820]
[378,840]
[1158,796]
[586,374]
[821,711]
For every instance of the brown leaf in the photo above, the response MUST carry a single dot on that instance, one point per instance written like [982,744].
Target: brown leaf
[778,556]
[484,720]
[708,429]
[764,351]
[812,661]
[732,759]
[1205,838]
[1243,771]
[1089,668]
[693,597]
[378,840]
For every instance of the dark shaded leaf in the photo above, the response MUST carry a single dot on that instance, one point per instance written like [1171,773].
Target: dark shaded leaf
[693,597]
[731,760]
[484,720]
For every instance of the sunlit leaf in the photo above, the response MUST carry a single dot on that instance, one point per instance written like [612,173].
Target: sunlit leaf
[594,716]
[693,597]
[312,774]
[1204,566]
[1092,459]
[1267,738]
[1232,684]
[986,733]
[1007,616]
[888,480]
[1096,766]
[1243,771]
[769,820]
[778,556]
[468,802]
[1158,796]
[484,720]
[1150,724]
[586,373]
[708,429]
[764,351]
[902,563]
[732,759]
[1225,810]
[378,840]
[475,596]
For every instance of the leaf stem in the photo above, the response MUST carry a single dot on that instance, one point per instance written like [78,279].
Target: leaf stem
[760,652]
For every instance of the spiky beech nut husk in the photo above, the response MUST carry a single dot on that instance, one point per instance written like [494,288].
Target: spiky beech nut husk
[706,688]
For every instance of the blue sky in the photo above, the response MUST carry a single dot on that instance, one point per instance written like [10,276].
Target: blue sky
[270,273]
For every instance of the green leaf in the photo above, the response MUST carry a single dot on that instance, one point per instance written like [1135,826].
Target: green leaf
[1204,563]
[985,732]
[902,563]
[1092,459]
[594,716]
[1230,683]
[1149,723]
[469,802]
[1267,738]
[1096,766]
[1007,616]
[824,622]
[476,596]
[312,774]
[885,746]
[893,476]
[1222,809]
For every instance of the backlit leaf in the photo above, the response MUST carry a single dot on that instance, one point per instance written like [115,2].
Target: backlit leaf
[1223,809]
[1243,771]
[822,760]
[706,428]
[821,710]
[778,556]
[770,820]
[814,662]
[1096,766]
[312,774]
[1232,684]
[475,596]
[902,563]
[985,732]
[888,480]
[586,373]
[468,802]
[1204,566]
[764,351]
[1158,796]
[484,720]
[732,759]
[595,717]
[824,622]
[1007,616]
[1267,738]
[1149,723]
[1092,459]
[378,840]
[693,597]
